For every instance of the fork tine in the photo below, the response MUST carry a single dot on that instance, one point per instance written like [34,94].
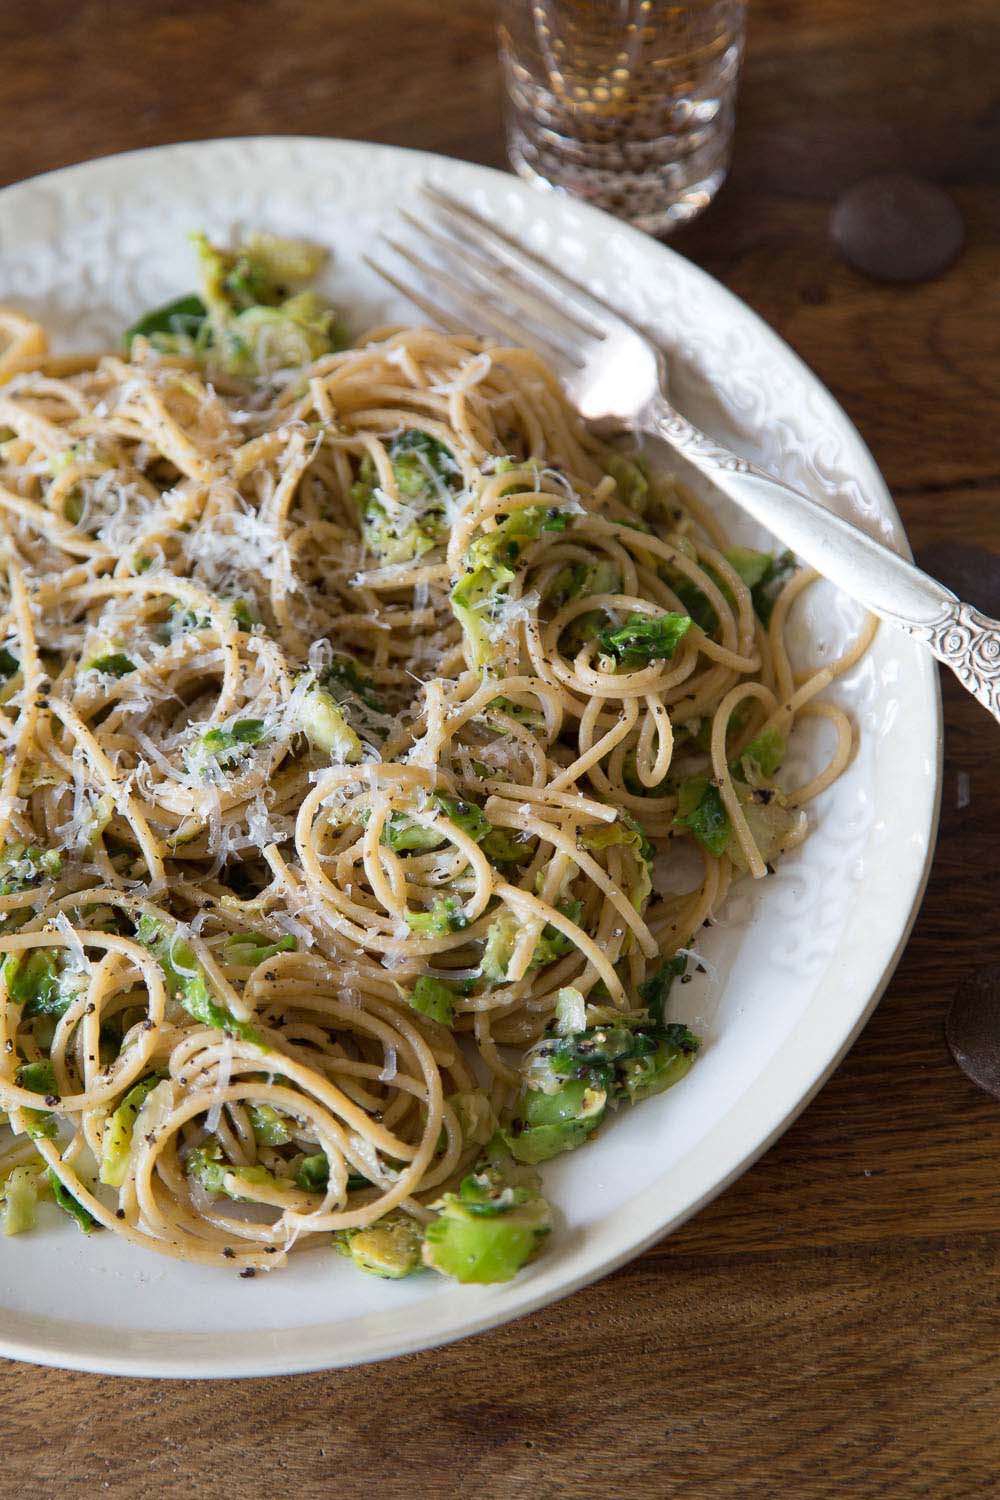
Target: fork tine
[594,313]
[491,275]
[435,313]
[475,307]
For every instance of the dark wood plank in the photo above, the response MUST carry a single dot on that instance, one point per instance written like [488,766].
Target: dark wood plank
[829,1325]
[749,1378]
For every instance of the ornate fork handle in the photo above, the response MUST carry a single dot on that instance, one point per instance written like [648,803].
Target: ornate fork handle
[969,643]
[864,568]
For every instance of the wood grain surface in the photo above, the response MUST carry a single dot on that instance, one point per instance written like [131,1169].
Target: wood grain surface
[830,1326]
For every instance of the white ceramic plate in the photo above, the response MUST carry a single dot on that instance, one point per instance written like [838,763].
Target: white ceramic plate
[798,962]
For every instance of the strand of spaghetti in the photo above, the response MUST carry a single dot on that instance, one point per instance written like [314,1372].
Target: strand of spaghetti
[528,906]
[111,783]
[838,761]
[14,764]
[597,751]
[58,532]
[724,780]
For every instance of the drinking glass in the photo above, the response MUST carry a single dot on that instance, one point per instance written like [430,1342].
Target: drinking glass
[627,103]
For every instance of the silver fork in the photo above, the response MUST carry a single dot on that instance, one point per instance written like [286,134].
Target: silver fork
[612,371]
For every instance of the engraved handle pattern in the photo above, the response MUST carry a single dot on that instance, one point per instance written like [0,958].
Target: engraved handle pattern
[965,640]
[694,444]
[969,643]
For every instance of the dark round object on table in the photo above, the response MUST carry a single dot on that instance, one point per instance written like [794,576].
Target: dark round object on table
[897,228]
[973,1028]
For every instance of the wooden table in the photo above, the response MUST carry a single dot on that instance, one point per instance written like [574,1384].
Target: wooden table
[831,1324]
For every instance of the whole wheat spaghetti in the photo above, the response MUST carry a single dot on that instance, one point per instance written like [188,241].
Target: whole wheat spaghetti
[348,696]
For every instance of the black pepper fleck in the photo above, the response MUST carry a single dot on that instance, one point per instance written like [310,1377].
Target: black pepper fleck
[247,1272]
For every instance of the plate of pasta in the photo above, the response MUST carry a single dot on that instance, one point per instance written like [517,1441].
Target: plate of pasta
[441,845]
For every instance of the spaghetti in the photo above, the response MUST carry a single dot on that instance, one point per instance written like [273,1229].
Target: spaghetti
[348,696]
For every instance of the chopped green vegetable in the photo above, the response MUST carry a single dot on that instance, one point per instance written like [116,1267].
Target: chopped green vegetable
[187,981]
[39,982]
[242,732]
[502,846]
[571,1011]
[24,866]
[643,639]
[771,583]
[550,1123]
[504,545]
[467,816]
[631,476]
[752,567]
[344,673]
[489,1229]
[521,713]
[71,1205]
[116,1145]
[39,1078]
[243,615]
[175,325]
[405,835]
[553,942]
[323,723]
[313,1173]
[207,1165]
[489,564]
[763,756]
[20,1199]
[113,664]
[389,1248]
[419,462]
[426,474]
[575,580]
[8,664]
[475,600]
[626,831]
[654,992]
[647,1073]
[475,1116]
[251,948]
[502,935]
[252,324]
[570,1081]
[770,821]
[446,915]
[431,997]
[269,1126]
[701,811]
[764,575]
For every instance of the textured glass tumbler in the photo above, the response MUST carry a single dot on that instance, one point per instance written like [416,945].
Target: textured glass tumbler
[627,103]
